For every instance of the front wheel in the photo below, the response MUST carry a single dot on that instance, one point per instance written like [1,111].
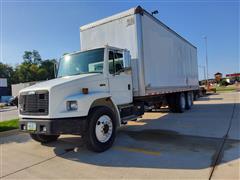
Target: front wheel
[101,129]
[42,138]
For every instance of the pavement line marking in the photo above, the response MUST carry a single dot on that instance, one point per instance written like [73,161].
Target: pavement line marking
[137,150]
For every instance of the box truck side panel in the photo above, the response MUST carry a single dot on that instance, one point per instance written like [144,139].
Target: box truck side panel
[120,33]
[169,61]
[193,80]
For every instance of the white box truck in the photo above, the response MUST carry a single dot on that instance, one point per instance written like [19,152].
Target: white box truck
[128,63]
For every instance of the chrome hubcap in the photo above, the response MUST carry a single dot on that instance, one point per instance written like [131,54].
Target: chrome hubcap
[104,128]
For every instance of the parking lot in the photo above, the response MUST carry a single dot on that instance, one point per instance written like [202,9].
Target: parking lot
[202,143]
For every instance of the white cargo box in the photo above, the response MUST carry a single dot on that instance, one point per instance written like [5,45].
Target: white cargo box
[162,60]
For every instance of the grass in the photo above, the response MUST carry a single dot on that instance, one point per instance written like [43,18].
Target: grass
[2,106]
[226,89]
[8,125]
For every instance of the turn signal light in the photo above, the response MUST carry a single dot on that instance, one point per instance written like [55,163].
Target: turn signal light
[85,90]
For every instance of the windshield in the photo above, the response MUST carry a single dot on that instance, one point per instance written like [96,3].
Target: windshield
[81,63]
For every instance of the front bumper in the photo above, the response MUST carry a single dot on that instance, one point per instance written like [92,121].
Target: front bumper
[76,125]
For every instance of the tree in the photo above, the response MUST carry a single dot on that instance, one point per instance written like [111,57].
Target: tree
[6,71]
[32,57]
[33,68]
[48,65]
[27,56]
[27,71]
[218,77]
[36,57]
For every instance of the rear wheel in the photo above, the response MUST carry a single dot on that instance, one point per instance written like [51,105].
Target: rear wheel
[181,105]
[189,99]
[44,138]
[196,95]
[177,102]
[101,129]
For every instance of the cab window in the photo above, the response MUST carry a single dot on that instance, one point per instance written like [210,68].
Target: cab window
[115,62]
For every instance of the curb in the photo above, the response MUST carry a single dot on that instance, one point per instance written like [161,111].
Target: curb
[7,109]
[10,132]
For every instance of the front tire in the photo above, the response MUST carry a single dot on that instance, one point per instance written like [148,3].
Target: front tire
[101,131]
[42,138]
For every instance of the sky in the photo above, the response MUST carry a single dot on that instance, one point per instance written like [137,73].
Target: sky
[52,27]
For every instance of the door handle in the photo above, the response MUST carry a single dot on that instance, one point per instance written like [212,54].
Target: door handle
[129,87]
[102,85]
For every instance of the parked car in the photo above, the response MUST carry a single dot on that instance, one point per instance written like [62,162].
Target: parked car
[13,101]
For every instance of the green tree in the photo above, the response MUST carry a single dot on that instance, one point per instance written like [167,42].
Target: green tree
[32,57]
[7,71]
[48,65]
[29,71]
[33,68]
[36,57]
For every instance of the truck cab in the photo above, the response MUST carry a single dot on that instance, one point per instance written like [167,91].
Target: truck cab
[86,97]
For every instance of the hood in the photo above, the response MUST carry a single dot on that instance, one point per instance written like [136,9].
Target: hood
[47,85]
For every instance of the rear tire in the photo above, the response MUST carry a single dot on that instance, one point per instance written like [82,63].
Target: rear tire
[189,99]
[101,130]
[181,102]
[177,102]
[196,95]
[42,138]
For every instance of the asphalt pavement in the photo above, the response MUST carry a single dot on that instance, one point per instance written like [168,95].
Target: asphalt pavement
[202,143]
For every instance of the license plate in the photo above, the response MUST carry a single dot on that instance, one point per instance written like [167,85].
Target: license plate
[31,126]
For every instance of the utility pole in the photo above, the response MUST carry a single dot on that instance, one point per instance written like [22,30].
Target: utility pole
[205,38]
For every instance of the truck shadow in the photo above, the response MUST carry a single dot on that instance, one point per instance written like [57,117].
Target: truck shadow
[172,141]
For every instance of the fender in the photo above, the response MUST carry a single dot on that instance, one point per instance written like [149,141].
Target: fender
[85,102]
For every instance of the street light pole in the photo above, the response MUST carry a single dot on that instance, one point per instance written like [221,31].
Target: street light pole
[205,38]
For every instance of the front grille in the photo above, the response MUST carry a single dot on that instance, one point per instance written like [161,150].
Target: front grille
[34,103]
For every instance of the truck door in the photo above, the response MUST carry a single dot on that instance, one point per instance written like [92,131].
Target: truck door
[120,79]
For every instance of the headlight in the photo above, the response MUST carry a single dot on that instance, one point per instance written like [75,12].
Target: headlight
[72,105]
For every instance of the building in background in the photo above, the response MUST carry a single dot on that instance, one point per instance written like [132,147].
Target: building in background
[233,78]
[5,91]
[17,87]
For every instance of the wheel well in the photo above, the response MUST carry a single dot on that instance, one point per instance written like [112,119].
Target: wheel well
[108,103]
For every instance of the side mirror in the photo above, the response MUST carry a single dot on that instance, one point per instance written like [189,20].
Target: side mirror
[126,64]
[126,70]
[55,69]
